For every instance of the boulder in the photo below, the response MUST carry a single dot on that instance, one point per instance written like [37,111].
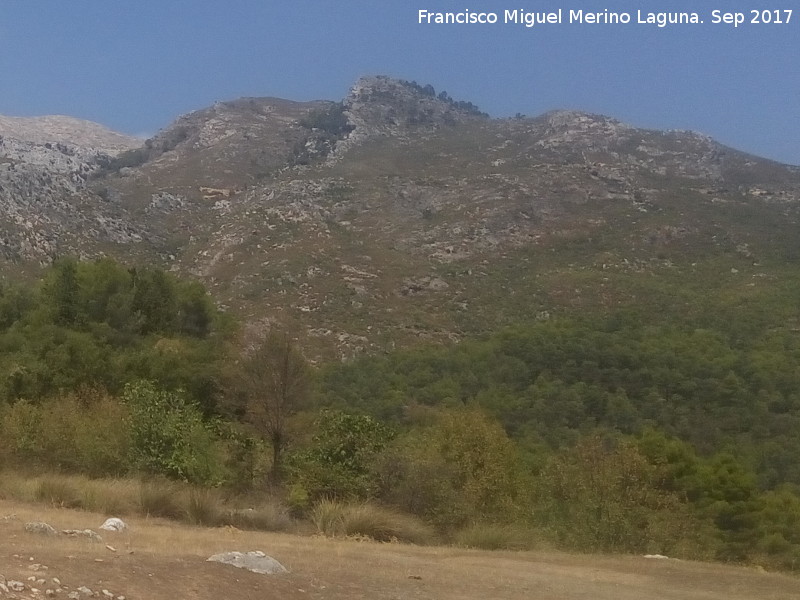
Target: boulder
[114,524]
[255,561]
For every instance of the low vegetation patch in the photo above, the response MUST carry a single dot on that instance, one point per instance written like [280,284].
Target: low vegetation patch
[267,516]
[158,498]
[59,492]
[487,536]
[335,519]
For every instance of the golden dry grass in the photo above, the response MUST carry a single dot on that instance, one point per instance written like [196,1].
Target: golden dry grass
[160,560]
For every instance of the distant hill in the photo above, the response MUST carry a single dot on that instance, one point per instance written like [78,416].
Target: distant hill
[66,130]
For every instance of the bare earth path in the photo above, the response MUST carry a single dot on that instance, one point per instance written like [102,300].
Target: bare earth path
[158,560]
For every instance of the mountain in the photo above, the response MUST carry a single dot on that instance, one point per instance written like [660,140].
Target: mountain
[399,214]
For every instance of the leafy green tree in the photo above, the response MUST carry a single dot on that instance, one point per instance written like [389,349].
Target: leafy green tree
[340,460]
[155,301]
[61,288]
[604,495]
[461,468]
[169,436]
[99,324]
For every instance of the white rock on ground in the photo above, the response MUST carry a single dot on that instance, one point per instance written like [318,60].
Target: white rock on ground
[255,561]
[114,524]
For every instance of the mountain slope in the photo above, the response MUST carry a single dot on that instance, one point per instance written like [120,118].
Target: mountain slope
[398,215]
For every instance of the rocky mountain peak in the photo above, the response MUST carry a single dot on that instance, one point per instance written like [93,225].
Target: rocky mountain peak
[382,105]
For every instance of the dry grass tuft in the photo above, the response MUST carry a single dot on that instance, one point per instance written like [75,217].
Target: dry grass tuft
[333,518]
[159,498]
[16,487]
[269,516]
[485,536]
[204,507]
[113,497]
[327,515]
[58,491]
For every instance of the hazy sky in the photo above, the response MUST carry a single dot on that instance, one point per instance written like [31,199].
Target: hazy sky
[135,66]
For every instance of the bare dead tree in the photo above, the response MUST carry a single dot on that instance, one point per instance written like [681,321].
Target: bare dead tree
[275,377]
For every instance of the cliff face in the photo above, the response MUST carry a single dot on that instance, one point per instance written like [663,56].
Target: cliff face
[45,208]
[399,213]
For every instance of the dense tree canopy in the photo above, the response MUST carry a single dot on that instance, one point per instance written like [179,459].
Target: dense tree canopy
[101,324]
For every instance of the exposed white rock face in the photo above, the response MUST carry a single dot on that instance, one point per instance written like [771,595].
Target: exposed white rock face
[45,200]
[379,106]
[66,130]
[255,561]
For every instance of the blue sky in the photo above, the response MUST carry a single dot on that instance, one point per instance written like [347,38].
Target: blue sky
[135,66]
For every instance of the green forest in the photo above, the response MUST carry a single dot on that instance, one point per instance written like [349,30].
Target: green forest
[610,432]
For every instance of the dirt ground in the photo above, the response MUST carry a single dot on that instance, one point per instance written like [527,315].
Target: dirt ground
[159,560]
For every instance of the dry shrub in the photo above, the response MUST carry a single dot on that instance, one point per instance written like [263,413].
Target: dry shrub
[160,498]
[79,432]
[269,516]
[59,492]
[485,536]
[113,497]
[204,507]
[334,518]
[13,486]
[327,516]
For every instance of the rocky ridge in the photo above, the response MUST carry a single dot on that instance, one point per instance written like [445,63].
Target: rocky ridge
[58,129]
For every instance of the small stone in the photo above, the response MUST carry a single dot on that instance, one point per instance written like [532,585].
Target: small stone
[49,593]
[107,594]
[16,586]
[3,588]
[56,580]
[73,596]
[85,591]
[32,578]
